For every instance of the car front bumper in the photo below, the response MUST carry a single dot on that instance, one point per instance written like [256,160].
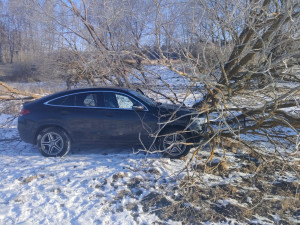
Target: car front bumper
[198,130]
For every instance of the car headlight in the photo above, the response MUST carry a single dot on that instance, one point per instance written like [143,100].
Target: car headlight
[198,123]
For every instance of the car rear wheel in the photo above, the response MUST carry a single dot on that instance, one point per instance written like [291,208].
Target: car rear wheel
[174,144]
[53,142]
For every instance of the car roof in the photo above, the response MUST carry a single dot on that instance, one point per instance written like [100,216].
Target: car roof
[93,89]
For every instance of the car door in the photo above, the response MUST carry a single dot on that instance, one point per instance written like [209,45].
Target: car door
[86,119]
[124,125]
[78,114]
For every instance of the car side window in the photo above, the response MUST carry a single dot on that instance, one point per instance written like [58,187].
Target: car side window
[110,100]
[87,100]
[90,101]
[119,101]
[124,102]
[67,101]
[96,99]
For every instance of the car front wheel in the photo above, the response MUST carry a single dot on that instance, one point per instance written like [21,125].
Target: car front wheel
[53,142]
[174,144]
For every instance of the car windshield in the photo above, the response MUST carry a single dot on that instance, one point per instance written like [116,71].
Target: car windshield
[144,98]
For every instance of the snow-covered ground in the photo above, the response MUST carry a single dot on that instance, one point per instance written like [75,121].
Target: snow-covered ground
[118,186]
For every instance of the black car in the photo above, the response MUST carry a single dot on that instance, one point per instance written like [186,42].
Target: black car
[108,116]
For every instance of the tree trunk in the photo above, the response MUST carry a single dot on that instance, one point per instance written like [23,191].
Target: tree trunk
[1,54]
[11,54]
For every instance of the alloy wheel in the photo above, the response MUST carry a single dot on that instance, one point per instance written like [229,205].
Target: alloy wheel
[174,144]
[52,143]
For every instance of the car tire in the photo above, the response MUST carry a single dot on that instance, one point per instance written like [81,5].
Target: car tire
[174,144]
[53,142]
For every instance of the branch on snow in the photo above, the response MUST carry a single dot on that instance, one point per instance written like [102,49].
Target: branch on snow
[17,92]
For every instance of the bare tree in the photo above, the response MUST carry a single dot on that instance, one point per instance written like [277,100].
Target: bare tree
[242,43]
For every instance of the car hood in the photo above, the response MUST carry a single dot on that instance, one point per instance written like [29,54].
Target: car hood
[179,109]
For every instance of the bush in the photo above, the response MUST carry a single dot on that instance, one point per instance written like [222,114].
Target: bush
[23,72]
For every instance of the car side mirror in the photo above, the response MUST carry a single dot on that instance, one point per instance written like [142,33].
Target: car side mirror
[138,108]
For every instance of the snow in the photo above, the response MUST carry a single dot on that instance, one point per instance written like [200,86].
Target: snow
[99,186]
